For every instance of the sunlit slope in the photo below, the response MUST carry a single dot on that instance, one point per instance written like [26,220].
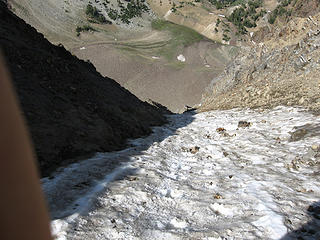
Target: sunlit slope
[142,56]
[171,65]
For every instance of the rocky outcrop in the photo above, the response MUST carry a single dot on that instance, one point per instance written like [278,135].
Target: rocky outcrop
[70,108]
[267,75]
[303,8]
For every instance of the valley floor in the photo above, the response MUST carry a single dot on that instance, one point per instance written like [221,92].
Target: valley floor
[193,180]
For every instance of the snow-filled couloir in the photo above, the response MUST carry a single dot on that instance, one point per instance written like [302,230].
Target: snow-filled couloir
[235,174]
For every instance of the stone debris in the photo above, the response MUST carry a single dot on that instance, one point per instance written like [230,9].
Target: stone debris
[298,135]
[217,196]
[220,130]
[244,124]
[315,147]
[194,150]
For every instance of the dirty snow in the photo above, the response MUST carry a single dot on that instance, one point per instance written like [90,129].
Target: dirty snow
[243,183]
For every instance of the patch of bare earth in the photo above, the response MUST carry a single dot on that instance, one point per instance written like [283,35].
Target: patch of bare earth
[173,83]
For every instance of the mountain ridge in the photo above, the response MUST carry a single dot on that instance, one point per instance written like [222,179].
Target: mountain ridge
[70,108]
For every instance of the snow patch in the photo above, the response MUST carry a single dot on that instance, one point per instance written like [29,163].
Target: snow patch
[177,223]
[181,58]
[239,181]
[221,209]
[167,14]
[58,228]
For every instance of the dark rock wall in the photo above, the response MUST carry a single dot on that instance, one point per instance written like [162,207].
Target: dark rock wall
[70,108]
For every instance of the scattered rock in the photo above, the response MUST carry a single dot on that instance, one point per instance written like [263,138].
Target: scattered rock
[298,135]
[208,136]
[194,150]
[244,124]
[315,147]
[184,149]
[188,108]
[220,130]
[225,154]
[217,196]
[132,179]
[301,101]
[223,132]
[288,221]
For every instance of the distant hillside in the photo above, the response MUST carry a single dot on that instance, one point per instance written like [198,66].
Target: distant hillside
[70,108]
[280,66]
[232,21]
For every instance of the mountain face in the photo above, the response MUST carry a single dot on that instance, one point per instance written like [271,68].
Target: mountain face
[70,108]
[142,56]
[280,66]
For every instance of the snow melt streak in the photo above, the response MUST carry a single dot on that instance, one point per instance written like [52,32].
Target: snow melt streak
[239,185]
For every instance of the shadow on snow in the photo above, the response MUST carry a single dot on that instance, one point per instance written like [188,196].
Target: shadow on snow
[310,230]
[73,189]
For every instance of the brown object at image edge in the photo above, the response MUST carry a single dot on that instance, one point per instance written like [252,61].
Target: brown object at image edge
[24,214]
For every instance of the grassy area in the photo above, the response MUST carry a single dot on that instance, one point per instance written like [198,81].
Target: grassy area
[181,36]
[184,35]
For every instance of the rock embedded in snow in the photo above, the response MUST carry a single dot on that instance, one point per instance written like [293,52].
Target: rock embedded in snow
[298,134]
[244,124]
[181,58]
[220,130]
[217,196]
[315,147]
[194,150]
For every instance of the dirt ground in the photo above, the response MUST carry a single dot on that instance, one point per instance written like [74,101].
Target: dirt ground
[150,76]
[131,55]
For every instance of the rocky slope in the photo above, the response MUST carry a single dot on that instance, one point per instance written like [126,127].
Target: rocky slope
[70,108]
[280,67]
[142,55]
